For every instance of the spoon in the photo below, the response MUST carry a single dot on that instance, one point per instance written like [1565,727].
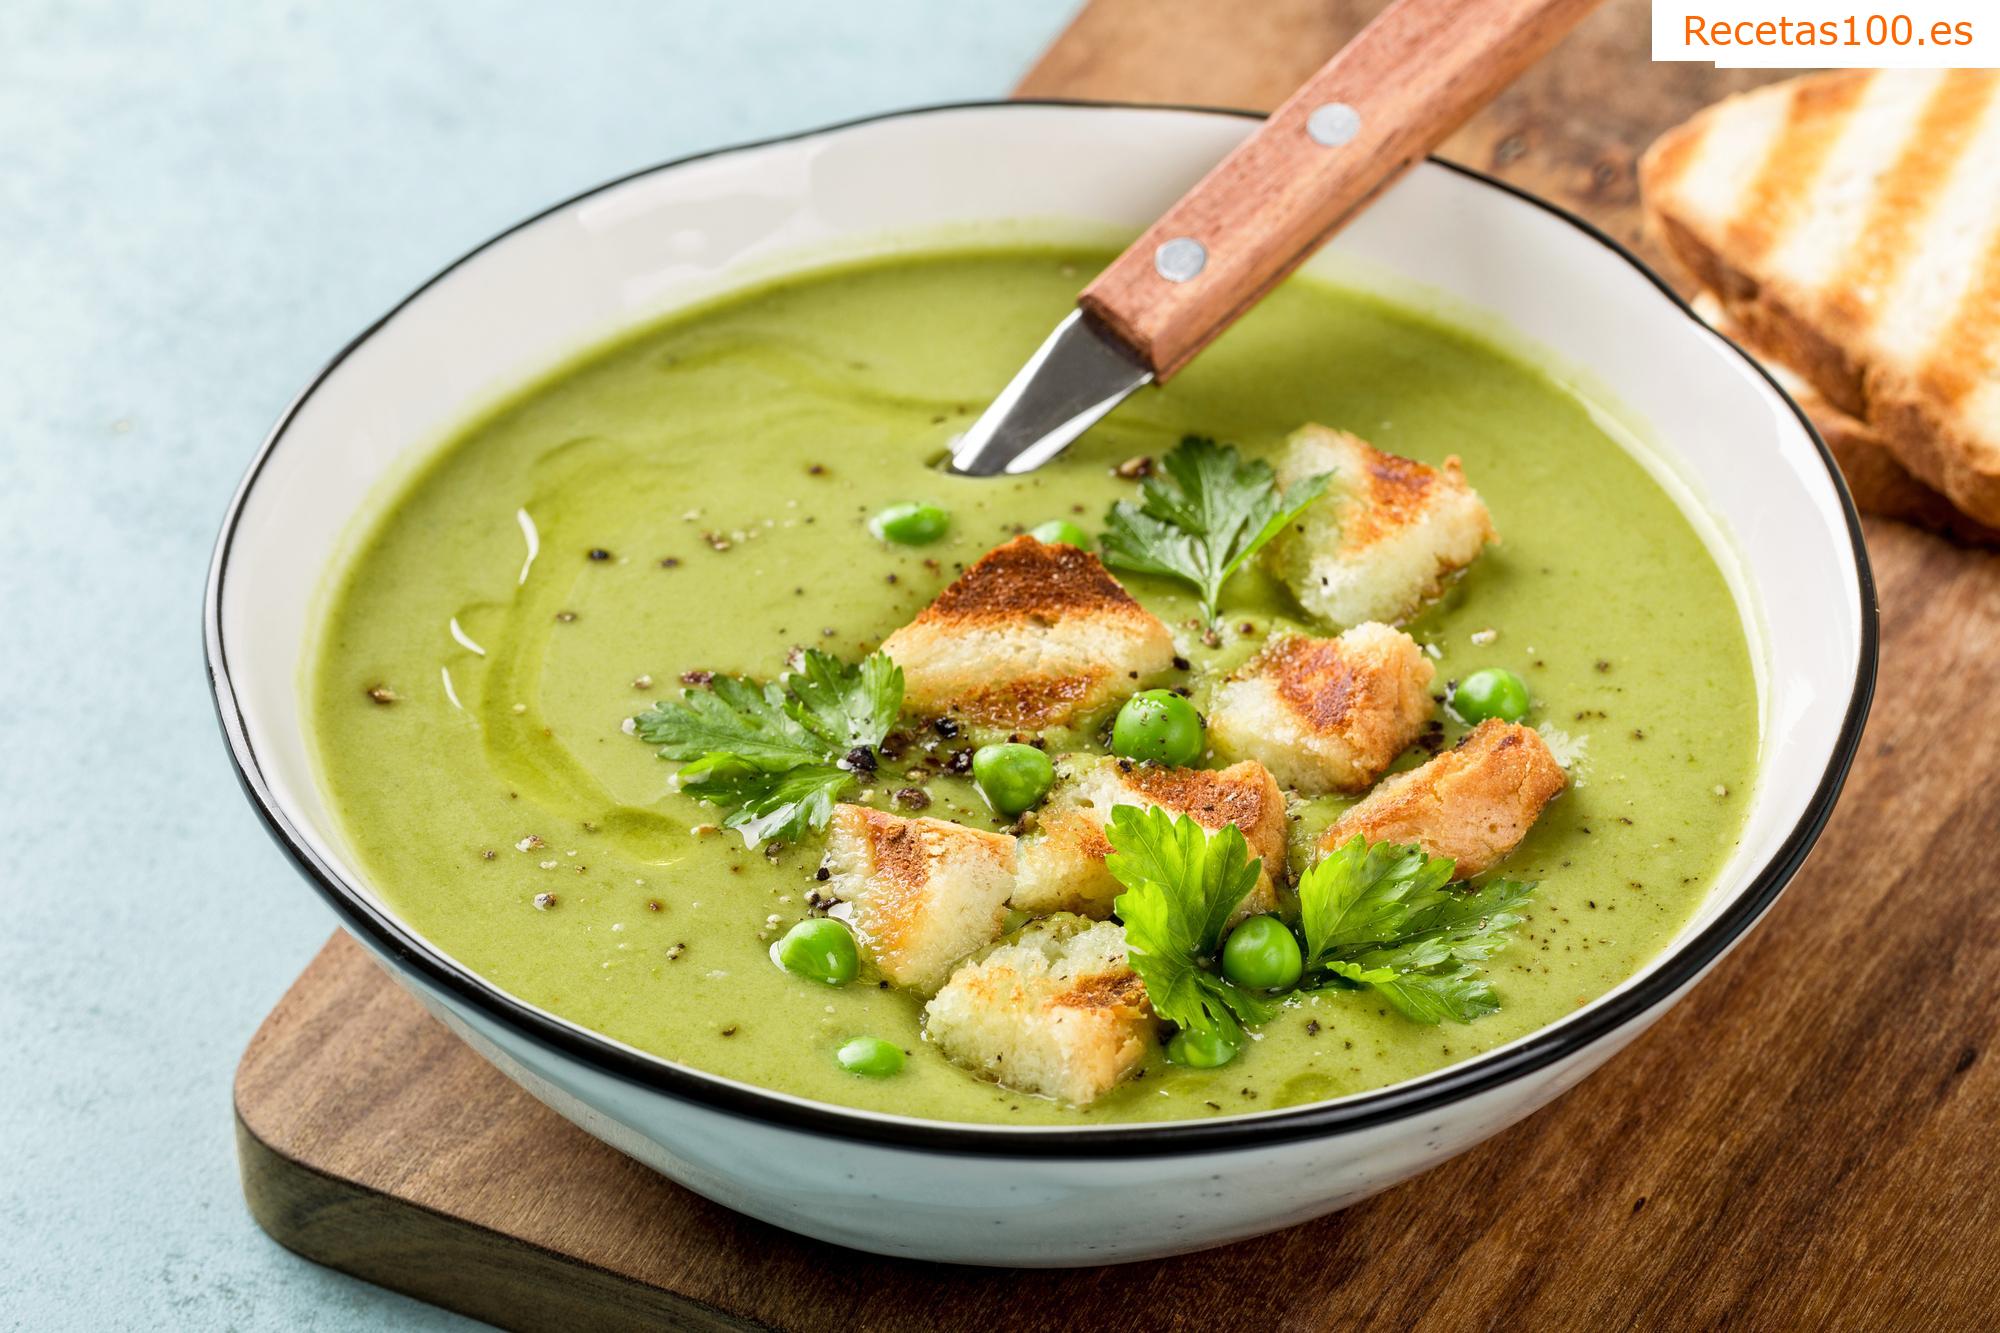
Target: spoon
[1392,94]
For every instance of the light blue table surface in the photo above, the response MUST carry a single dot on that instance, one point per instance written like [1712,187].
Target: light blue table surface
[199,203]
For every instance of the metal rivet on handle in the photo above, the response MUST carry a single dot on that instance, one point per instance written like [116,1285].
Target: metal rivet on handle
[1180,259]
[1333,124]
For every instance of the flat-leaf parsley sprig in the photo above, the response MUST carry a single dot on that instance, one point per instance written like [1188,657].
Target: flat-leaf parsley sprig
[1182,884]
[780,754]
[1384,917]
[1200,521]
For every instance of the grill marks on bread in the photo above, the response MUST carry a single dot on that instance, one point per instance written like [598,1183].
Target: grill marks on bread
[921,893]
[1062,863]
[1969,349]
[1850,223]
[1243,795]
[1393,492]
[1026,579]
[1777,194]
[1474,803]
[1034,635]
[1943,132]
[1326,714]
[1386,535]
[1058,1012]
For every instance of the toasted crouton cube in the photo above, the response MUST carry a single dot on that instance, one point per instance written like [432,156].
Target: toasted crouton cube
[1474,803]
[1384,537]
[1059,1012]
[920,893]
[1032,636]
[1325,714]
[1062,864]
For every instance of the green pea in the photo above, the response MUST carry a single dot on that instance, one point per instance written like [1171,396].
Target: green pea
[871,1056]
[1012,777]
[1262,954]
[910,523]
[1200,1050]
[1064,531]
[820,948]
[1491,692]
[1158,725]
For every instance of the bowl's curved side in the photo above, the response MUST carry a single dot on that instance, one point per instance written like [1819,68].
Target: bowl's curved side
[624,252]
[1022,1210]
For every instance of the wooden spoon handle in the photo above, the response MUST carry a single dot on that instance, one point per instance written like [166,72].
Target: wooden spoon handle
[1391,95]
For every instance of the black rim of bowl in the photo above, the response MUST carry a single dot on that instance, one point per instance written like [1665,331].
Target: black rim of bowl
[1429,1093]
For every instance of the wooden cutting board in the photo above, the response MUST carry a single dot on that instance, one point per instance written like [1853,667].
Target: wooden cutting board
[1808,1141]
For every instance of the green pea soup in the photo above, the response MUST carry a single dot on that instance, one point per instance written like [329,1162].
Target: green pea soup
[696,497]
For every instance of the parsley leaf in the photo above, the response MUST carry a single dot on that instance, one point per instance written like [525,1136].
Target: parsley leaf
[1459,994]
[1363,894]
[1200,521]
[1383,917]
[1465,927]
[732,716]
[1358,976]
[1181,885]
[778,752]
[778,806]
[843,705]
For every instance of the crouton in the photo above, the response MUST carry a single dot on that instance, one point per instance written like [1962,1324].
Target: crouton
[1325,714]
[1058,1013]
[920,893]
[1473,803]
[1384,537]
[1032,636]
[1062,864]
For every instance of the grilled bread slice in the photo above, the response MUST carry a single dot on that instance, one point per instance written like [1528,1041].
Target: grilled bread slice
[1850,225]
[1878,480]
[1384,537]
[1062,863]
[1473,803]
[1325,714]
[1058,1012]
[920,894]
[1033,636]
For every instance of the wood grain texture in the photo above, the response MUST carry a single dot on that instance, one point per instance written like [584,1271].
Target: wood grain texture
[1408,79]
[1572,128]
[1808,1141]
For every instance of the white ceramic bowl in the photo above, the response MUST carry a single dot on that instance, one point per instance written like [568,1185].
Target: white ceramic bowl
[1713,425]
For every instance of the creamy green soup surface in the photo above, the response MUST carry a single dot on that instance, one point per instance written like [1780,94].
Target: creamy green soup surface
[695,497]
